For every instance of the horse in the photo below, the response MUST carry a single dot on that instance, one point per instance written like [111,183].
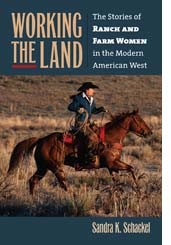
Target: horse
[52,151]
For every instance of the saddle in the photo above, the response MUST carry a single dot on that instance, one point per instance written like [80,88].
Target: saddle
[68,137]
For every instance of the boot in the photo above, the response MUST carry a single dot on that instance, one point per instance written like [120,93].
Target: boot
[90,157]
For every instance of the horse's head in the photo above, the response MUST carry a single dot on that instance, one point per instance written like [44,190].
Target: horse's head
[138,126]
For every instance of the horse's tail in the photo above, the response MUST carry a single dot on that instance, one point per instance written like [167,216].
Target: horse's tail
[21,150]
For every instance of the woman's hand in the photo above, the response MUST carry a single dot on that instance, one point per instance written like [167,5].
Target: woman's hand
[81,110]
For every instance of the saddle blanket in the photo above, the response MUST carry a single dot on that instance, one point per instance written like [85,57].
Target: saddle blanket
[68,137]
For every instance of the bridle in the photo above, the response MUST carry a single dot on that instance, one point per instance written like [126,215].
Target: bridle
[128,130]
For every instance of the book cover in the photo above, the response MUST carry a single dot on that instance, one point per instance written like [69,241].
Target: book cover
[80,122]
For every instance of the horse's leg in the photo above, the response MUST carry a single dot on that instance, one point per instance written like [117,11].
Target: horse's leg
[120,165]
[39,174]
[113,175]
[57,169]
[60,175]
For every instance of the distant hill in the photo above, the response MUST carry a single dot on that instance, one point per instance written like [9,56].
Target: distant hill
[31,96]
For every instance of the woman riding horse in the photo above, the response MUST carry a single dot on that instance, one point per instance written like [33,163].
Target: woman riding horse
[51,153]
[81,103]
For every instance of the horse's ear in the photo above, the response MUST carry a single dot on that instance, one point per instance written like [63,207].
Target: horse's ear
[135,111]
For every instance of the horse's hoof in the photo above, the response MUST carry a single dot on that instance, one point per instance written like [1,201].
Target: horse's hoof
[78,167]
[64,186]
[31,193]
[137,190]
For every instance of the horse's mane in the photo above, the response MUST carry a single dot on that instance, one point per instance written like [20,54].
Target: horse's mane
[115,119]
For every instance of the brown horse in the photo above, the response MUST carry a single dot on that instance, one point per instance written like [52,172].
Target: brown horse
[51,152]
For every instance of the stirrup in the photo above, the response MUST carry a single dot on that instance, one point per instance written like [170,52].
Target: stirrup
[90,159]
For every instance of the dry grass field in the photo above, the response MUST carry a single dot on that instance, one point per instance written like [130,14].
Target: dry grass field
[37,105]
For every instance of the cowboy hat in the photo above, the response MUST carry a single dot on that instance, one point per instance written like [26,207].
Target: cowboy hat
[87,85]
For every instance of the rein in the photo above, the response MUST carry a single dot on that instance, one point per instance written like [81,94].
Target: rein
[128,130]
[118,146]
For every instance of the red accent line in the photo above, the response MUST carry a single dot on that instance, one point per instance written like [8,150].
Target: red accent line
[24,66]
[102,134]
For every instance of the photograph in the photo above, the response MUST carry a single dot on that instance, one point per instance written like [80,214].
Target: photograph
[80,146]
